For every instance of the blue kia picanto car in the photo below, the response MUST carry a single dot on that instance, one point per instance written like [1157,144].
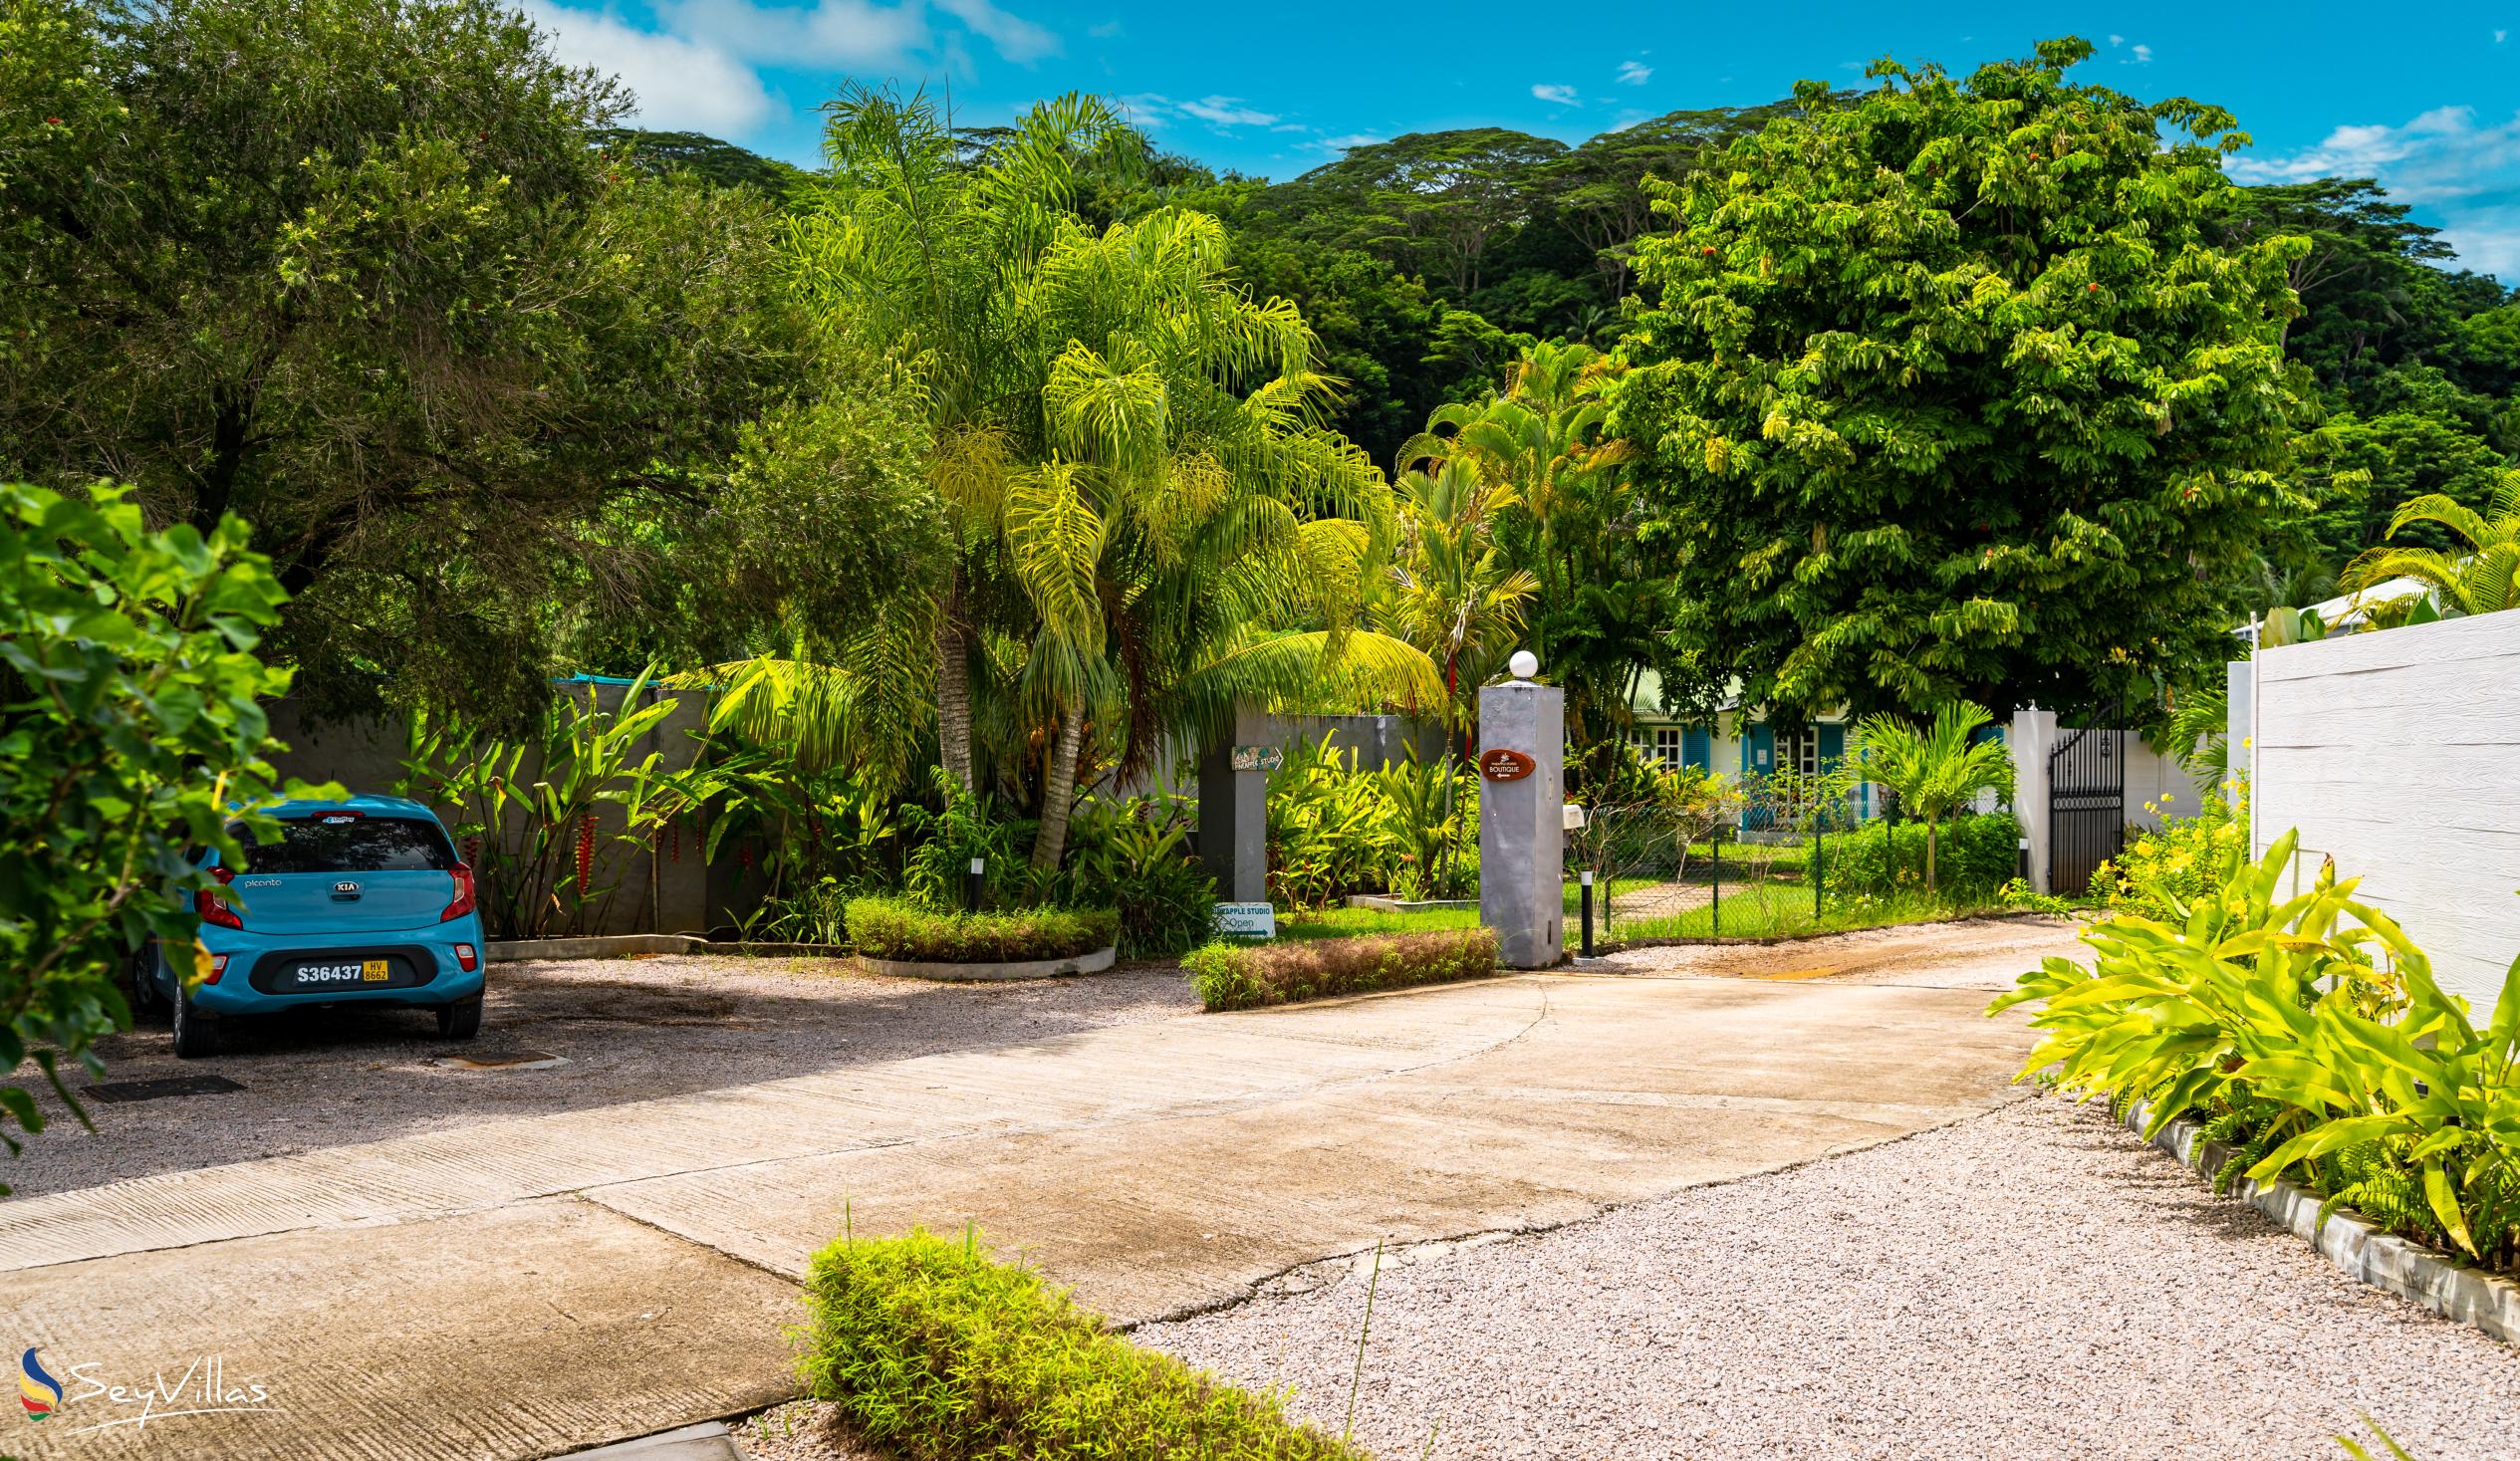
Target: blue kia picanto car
[360,901]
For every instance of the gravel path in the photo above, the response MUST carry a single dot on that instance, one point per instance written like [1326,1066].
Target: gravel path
[626,1030]
[2034,1283]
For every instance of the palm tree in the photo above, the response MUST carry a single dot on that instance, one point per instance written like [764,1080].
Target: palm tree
[1154,518]
[1935,770]
[1451,593]
[2483,579]
[1557,513]
[912,249]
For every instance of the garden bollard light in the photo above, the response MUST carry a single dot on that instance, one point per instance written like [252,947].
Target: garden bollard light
[1715,861]
[1816,838]
[1587,877]
[2024,874]
[971,888]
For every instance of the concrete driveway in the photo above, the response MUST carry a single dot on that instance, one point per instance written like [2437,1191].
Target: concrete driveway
[523,1287]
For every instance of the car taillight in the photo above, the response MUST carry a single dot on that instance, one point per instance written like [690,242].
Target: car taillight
[463,896]
[467,957]
[213,908]
[218,966]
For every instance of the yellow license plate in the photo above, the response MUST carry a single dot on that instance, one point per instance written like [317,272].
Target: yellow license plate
[371,971]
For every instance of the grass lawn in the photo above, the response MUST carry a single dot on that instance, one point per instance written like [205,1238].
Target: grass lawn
[1776,910]
[1750,910]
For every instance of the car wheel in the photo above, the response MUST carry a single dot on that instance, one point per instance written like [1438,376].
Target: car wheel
[147,1004]
[196,1035]
[460,1020]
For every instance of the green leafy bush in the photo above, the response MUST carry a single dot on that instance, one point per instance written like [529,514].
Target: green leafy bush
[1411,829]
[938,1352]
[1134,856]
[896,928]
[134,730]
[2309,1033]
[2183,861]
[2020,896]
[1232,976]
[1976,856]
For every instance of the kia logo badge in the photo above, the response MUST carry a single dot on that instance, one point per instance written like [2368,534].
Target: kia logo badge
[344,887]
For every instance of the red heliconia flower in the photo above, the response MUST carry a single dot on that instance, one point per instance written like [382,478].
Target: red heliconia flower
[585,852]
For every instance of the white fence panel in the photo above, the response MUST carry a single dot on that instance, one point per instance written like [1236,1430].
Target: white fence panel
[2397,752]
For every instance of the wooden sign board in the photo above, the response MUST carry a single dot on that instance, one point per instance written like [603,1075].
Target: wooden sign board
[1504,765]
[1246,920]
[1258,758]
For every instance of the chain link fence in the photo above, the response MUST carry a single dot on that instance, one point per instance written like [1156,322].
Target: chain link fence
[1709,858]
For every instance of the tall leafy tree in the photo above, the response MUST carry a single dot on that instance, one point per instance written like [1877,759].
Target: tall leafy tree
[1951,392]
[355,271]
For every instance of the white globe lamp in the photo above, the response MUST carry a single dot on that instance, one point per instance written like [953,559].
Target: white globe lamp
[1524,664]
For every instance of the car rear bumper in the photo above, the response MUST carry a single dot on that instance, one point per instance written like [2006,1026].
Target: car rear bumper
[422,968]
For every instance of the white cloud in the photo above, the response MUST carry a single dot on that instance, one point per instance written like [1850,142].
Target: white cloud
[681,84]
[1634,72]
[2463,173]
[1106,30]
[2441,153]
[1016,39]
[2498,35]
[1227,112]
[1351,140]
[833,33]
[2116,39]
[2142,55]
[1153,108]
[1556,95]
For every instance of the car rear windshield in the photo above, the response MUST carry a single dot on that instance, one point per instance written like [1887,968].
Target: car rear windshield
[336,843]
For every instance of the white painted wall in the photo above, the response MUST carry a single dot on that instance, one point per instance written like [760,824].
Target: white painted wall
[2397,752]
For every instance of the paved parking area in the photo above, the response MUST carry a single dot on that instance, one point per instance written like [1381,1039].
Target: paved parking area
[623,1030]
[519,1285]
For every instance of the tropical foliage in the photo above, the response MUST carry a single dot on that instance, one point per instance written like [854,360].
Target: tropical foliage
[1933,770]
[2309,1034]
[2481,575]
[135,733]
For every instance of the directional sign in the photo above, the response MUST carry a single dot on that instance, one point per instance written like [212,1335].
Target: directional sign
[1258,758]
[1503,765]
[1246,920]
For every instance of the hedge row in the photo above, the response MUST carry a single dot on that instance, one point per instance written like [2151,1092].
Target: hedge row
[942,1354]
[1973,856]
[893,928]
[1232,976]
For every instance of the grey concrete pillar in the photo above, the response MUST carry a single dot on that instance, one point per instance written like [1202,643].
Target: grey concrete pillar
[1234,815]
[1522,822]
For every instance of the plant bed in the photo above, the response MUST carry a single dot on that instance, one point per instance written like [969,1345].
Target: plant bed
[1244,977]
[1393,903]
[893,936]
[932,1350]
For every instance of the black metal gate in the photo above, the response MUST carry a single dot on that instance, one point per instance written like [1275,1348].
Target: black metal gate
[2086,804]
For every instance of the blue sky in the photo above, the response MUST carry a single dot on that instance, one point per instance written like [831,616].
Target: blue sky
[2426,99]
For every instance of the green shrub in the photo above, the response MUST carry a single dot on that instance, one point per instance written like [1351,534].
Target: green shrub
[2181,860]
[1973,858]
[134,729]
[2308,1033]
[894,928]
[939,1354]
[1134,856]
[1232,976]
